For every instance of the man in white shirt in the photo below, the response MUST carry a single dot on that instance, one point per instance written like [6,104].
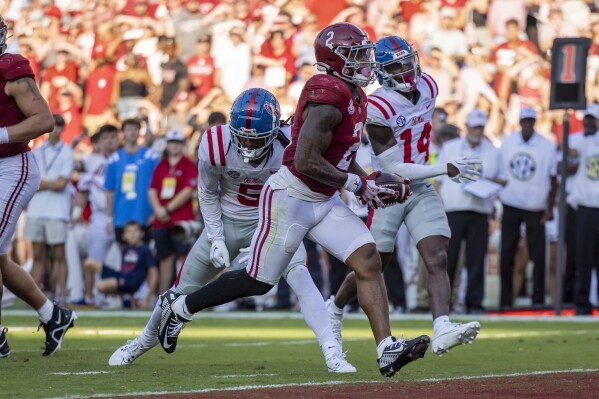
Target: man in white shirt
[528,166]
[49,211]
[584,196]
[576,142]
[468,214]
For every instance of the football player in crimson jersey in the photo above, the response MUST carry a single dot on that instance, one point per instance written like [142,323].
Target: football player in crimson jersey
[24,115]
[235,161]
[398,126]
[302,200]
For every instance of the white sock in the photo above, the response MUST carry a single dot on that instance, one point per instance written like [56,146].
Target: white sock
[381,346]
[45,312]
[147,338]
[180,308]
[334,309]
[439,323]
[311,304]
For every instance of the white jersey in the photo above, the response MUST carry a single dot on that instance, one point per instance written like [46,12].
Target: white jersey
[227,185]
[92,180]
[585,188]
[411,124]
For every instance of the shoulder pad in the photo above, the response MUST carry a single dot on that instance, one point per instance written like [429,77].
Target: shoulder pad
[325,89]
[15,66]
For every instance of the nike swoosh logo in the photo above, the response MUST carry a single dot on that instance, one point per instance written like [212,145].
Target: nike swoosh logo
[428,106]
[165,343]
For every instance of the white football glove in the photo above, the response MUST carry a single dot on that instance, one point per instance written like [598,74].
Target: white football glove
[219,255]
[468,169]
[245,259]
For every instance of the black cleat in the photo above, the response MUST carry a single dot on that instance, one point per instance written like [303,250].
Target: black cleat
[400,353]
[171,324]
[62,319]
[4,349]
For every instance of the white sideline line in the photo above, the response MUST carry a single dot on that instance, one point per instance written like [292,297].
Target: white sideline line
[143,314]
[313,384]
[81,373]
[242,375]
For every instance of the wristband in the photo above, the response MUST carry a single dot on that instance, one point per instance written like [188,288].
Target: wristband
[353,183]
[3,135]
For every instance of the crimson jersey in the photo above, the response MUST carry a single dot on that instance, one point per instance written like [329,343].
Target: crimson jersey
[327,89]
[12,67]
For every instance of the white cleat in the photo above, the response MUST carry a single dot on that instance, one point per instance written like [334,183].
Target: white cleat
[335,320]
[336,362]
[126,354]
[454,334]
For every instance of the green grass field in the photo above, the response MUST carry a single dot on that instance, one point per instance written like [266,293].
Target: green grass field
[216,352]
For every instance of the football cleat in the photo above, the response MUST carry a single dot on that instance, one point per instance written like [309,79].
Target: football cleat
[401,352]
[454,334]
[56,328]
[171,323]
[4,349]
[127,353]
[335,320]
[336,362]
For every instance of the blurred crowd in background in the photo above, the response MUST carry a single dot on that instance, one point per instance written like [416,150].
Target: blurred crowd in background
[177,65]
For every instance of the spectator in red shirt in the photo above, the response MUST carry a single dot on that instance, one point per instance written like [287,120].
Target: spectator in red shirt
[54,77]
[200,68]
[98,91]
[276,53]
[171,193]
[510,52]
[69,101]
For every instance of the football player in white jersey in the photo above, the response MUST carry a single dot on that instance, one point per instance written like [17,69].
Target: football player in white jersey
[398,126]
[91,187]
[235,160]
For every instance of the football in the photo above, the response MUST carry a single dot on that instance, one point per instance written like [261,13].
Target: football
[395,183]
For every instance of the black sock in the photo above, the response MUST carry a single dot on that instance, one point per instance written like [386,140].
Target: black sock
[228,287]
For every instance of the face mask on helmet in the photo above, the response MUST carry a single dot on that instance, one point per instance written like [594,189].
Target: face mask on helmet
[401,74]
[398,64]
[3,35]
[251,144]
[359,66]
[254,130]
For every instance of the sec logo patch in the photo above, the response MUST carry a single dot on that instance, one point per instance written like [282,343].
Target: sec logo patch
[233,174]
[593,167]
[401,121]
[523,166]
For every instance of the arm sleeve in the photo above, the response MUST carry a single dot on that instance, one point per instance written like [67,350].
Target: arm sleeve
[66,169]
[110,181]
[154,183]
[208,193]
[553,160]
[501,169]
[391,162]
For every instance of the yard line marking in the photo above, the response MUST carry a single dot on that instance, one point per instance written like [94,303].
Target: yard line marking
[144,314]
[315,384]
[248,344]
[81,373]
[243,375]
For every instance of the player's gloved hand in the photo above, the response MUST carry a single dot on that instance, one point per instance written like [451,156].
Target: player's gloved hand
[219,255]
[464,168]
[244,260]
[366,189]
